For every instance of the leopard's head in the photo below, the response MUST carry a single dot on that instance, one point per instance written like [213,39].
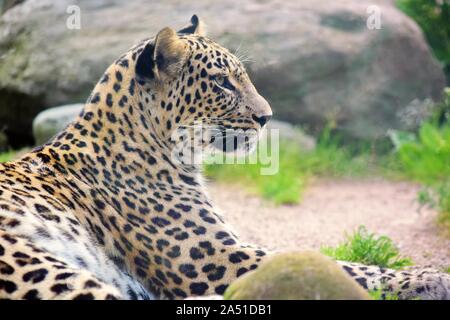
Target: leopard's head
[192,82]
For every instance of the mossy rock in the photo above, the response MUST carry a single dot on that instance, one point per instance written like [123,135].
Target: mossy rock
[297,276]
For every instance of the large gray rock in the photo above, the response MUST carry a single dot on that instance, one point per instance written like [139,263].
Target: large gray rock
[316,61]
[51,121]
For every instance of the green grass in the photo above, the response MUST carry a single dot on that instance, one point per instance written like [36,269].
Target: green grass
[437,196]
[426,158]
[6,156]
[378,295]
[368,248]
[284,187]
[296,169]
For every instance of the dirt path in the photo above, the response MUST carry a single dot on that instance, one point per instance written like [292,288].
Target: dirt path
[330,209]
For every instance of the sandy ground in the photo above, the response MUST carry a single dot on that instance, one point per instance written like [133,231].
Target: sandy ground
[331,208]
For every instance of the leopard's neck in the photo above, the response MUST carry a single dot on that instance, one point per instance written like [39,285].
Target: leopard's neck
[113,147]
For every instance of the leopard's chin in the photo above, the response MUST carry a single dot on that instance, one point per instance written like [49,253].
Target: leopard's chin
[238,141]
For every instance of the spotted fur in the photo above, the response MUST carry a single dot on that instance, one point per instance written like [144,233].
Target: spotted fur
[103,211]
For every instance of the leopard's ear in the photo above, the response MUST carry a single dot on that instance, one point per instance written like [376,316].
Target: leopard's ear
[195,27]
[162,58]
[169,54]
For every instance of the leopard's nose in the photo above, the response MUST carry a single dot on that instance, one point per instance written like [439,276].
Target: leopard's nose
[262,120]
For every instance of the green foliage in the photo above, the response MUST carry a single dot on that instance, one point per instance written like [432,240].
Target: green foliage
[367,248]
[330,158]
[425,158]
[443,200]
[433,17]
[379,295]
[425,197]
[6,156]
[437,196]
[296,168]
[283,188]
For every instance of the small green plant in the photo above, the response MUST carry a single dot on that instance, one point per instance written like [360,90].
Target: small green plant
[378,295]
[284,187]
[426,198]
[425,158]
[437,197]
[443,200]
[331,158]
[367,248]
[6,156]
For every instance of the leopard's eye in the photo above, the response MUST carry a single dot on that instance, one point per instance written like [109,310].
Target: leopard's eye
[224,82]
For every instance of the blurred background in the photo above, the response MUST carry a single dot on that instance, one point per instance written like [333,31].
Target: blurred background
[358,90]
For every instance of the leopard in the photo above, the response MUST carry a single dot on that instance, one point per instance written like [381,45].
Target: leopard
[105,210]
